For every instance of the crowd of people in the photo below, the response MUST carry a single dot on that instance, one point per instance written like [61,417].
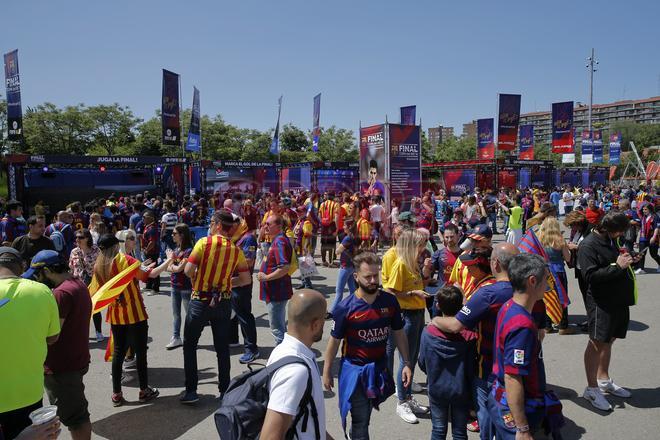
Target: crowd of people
[479,348]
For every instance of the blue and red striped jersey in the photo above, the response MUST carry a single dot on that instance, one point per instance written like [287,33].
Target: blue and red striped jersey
[365,328]
[480,313]
[280,254]
[518,349]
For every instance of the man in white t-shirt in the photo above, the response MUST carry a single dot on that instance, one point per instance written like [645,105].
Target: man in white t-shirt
[306,313]
[376,211]
[568,200]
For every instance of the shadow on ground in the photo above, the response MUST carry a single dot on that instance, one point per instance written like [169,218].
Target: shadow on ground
[164,419]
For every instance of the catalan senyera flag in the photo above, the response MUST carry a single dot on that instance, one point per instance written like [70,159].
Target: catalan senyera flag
[103,296]
[556,297]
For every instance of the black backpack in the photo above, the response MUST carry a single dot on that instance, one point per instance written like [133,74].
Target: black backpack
[243,409]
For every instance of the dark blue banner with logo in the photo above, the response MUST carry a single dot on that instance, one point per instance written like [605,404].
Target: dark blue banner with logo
[170,109]
[485,143]
[13,84]
[408,115]
[405,162]
[615,148]
[526,142]
[562,127]
[194,142]
[507,122]
[598,146]
[316,130]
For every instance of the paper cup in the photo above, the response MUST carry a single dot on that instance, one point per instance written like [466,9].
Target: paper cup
[43,415]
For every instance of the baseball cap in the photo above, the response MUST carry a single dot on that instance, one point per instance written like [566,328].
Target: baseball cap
[474,257]
[42,259]
[106,241]
[286,201]
[407,216]
[9,255]
[480,232]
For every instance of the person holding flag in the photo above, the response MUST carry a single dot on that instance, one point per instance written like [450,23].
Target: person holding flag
[115,286]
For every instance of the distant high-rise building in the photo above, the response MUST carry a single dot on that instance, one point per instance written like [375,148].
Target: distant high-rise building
[470,129]
[435,136]
[440,134]
[642,111]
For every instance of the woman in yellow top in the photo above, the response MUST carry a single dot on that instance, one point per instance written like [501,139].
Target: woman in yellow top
[403,278]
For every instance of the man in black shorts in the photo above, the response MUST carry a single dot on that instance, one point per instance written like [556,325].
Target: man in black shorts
[605,265]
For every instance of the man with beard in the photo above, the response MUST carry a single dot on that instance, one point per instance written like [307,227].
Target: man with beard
[363,321]
[306,311]
[68,358]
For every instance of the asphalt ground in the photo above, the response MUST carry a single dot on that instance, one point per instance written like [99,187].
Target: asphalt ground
[635,362]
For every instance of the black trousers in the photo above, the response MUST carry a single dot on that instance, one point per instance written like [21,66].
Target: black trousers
[134,336]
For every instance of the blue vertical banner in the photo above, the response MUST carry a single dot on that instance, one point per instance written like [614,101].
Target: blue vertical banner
[507,122]
[598,146]
[14,110]
[562,127]
[408,115]
[275,144]
[587,147]
[526,142]
[169,111]
[485,140]
[316,130]
[194,142]
[615,148]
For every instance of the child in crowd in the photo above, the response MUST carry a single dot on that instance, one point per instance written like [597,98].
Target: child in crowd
[448,361]
[364,230]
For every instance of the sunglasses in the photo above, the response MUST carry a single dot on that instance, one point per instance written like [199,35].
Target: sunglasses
[130,238]
[80,237]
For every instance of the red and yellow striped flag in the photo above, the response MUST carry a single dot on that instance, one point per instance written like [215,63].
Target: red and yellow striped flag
[553,306]
[103,296]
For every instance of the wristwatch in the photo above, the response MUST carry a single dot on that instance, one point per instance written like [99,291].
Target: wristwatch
[524,428]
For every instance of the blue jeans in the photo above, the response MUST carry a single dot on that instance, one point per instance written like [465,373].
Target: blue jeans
[360,415]
[413,324]
[179,296]
[199,313]
[481,390]
[492,218]
[440,413]
[345,277]
[277,319]
[241,302]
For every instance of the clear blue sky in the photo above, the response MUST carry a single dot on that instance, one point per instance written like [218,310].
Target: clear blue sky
[450,58]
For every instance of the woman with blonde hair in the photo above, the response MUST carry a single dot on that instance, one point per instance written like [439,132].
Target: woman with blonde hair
[558,252]
[127,241]
[403,278]
[127,315]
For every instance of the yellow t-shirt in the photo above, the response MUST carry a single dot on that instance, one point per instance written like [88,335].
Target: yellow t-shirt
[389,257]
[28,315]
[402,279]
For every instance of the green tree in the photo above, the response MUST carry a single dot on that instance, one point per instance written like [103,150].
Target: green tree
[294,139]
[50,130]
[114,129]
[463,148]
[335,144]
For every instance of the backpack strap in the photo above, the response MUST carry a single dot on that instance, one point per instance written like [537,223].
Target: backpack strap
[303,412]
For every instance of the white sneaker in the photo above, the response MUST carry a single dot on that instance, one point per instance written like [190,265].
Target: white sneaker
[640,271]
[608,386]
[597,400]
[416,388]
[174,343]
[100,337]
[403,410]
[417,407]
[131,363]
